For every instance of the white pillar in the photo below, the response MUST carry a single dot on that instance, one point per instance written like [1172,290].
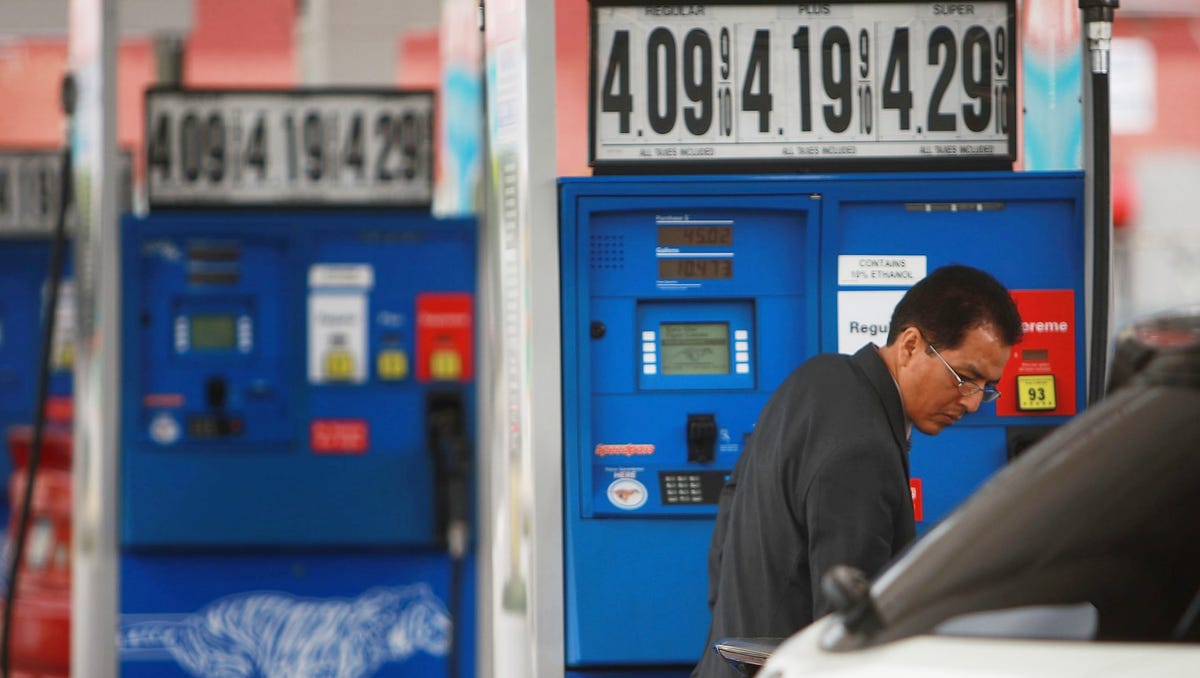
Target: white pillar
[520,380]
[94,570]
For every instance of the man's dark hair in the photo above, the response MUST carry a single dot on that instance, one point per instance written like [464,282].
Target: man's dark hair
[952,300]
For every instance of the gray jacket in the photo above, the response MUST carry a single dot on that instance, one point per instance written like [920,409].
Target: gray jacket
[823,481]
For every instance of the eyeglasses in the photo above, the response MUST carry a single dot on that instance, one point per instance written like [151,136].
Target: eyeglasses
[966,388]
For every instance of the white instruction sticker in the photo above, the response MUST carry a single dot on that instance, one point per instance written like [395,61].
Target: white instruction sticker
[337,337]
[880,270]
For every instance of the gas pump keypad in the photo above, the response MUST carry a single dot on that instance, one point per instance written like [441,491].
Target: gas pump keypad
[691,487]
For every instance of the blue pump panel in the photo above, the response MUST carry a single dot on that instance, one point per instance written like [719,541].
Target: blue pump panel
[1024,228]
[278,376]
[24,271]
[687,304]
[23,268]
[688,299]
[295,614]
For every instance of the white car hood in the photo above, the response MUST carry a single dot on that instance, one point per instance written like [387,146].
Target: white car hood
[954,657]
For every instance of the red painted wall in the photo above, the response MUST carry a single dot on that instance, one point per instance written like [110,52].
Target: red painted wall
[241,43]
[571,86]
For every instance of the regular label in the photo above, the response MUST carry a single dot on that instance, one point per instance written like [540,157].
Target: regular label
[864,317]
[337,337]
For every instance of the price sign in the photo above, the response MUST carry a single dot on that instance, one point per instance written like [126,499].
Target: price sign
[804,85]
[31,190]
[210,147]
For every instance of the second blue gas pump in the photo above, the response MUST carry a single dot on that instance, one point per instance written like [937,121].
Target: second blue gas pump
[297,415]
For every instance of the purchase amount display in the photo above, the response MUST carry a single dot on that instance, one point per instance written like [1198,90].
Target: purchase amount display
[803,82]
[290,146]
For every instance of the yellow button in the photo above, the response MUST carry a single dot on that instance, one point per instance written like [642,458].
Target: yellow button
[445,364]
[1035,392]
[339,365]
[65,357]
[392,364]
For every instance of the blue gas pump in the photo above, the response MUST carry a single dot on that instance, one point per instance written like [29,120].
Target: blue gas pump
[771,178]
[690,298]
[286,374]
[29,203]
[298,399]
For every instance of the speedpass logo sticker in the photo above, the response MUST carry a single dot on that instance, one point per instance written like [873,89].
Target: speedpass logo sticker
[627,493]
[624,450]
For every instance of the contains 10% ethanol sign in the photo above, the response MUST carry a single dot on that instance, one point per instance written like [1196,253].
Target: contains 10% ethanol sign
[307,147]
[804,84]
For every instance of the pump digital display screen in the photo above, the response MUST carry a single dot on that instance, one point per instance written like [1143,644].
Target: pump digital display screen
[695,269]
[694,348]
[213,332]
[690,236]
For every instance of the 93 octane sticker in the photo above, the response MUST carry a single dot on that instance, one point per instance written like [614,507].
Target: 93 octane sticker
[295,146]
[1035,392]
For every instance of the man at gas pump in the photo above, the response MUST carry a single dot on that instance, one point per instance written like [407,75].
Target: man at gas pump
[824,479]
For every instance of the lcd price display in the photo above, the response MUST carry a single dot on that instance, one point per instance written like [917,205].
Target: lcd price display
[695,269]
[213,332]
[691,236]
[694,348]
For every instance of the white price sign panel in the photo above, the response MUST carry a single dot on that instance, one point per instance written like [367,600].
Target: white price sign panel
[804,85]
[295,147]
[31,190]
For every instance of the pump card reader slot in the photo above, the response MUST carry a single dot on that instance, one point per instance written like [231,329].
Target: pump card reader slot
[701,438]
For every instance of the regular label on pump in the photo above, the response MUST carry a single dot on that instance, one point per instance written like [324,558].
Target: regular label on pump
[337,323]
[864,316]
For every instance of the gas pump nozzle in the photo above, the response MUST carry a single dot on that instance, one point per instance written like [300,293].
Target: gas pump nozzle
[446,436]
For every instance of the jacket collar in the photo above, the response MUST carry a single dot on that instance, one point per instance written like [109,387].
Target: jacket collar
[869,361]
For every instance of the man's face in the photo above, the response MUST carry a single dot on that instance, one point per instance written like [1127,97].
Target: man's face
[932,398]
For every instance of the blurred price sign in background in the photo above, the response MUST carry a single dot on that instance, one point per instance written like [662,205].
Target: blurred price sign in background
[289,147]
[31,190]
[865,85]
